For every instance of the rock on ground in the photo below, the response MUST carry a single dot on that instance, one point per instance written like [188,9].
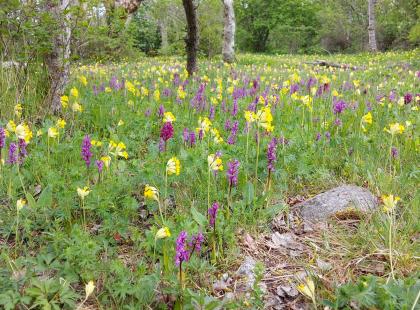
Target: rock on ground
[335,201]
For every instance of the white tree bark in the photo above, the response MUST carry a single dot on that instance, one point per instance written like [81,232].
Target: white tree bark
[371,27]
[58,60]
[162,23]
[229,32]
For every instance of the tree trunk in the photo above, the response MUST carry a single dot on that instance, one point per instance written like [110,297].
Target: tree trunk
[163,35]
[191,40]
[371,27]
[58,59]
[229,32]
[130,6]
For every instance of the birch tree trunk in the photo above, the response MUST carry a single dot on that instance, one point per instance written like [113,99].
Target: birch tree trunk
[163,34]
[57,60]
[371,27]
[192,38]
[228,51]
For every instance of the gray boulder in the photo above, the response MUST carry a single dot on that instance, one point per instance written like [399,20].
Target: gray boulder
[336,202]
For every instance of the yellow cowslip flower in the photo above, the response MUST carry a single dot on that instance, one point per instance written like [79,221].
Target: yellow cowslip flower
[335,93]
[18,110]
[367,118]
[144,91]
[106,160]
[20,204]
[83,80]
[83,192]
[204,124]
[401,101]
[173,166]
[61,123]
[76,107]
[181,93]
[217,138]
[250,116]
[52,132]
[214,101]
[108,89]
[261,100]
[130,87]
[119,149]
[23,132]
[89,288]
[162,233]
[96,143]
[307,288]
[395,128]
[284,90]
[74,92]
[324,80]
[120,123]
[356,83]
[390,202]
[215,162]
[156,95]
[168,117]
[11,126]
[151,192]
[64,101]
[307,101]
[264,118]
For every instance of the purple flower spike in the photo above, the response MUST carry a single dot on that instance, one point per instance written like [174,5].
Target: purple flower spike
[232,172]
[99,165]
[192,138]
[185,135]
[213,214]
[161,110]
[86,152]
[271,154]
[182,254]
[2,138]
[196,241]
[394,152]
[167,131]
[339,107]
[22,150]
[13,157]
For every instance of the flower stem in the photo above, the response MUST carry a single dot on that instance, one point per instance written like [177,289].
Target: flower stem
[391,263]
[258,155]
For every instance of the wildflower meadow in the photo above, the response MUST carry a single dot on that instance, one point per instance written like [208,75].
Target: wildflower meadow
[148,188]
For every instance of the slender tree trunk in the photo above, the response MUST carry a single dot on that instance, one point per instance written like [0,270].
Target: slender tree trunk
[191,40]
[371,27]
[163,35]
[58,59]
[229,32]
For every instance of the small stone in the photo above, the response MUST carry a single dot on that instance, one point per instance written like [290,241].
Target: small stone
[247,270]
[339,200]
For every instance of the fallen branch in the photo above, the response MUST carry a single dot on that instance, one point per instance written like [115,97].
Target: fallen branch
[324,63]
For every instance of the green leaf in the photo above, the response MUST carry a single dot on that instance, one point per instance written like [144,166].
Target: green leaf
[45,199]
[31,201]
[198,217]
[249,193]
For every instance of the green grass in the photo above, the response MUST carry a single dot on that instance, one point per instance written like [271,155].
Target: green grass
[116,245]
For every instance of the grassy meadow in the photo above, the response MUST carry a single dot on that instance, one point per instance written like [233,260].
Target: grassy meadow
[138,194]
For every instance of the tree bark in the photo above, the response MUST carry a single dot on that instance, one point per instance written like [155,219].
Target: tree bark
[228,51]
[57,60]
[163,35]
[130,6]
[371,27]
[191,40]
